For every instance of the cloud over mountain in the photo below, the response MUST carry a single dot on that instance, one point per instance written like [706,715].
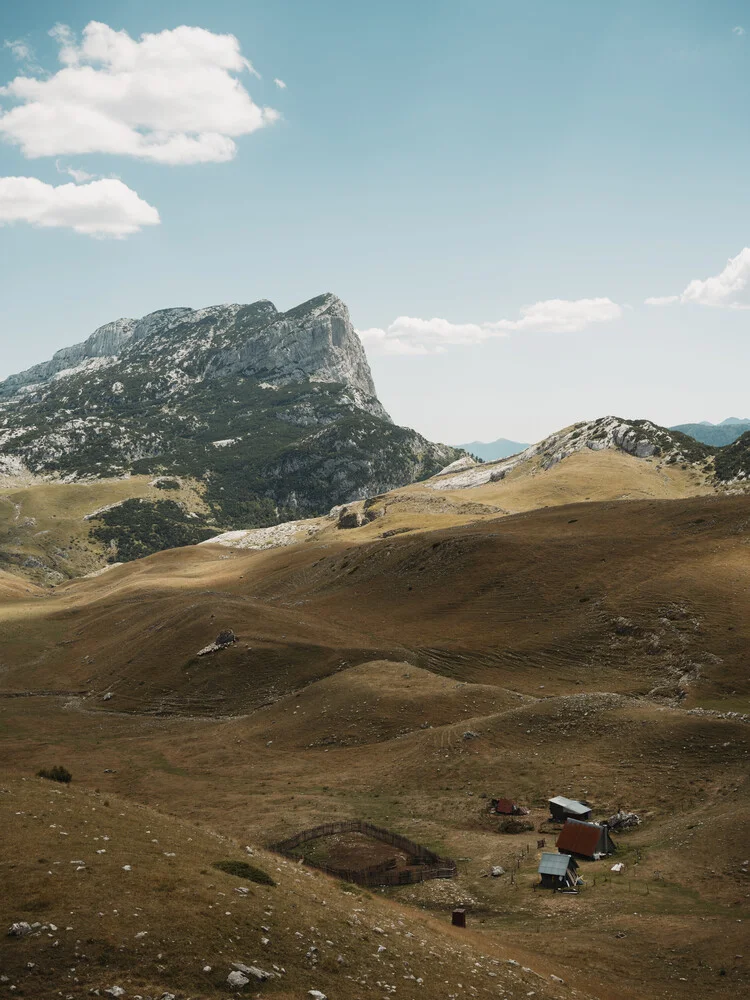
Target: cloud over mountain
[410,335]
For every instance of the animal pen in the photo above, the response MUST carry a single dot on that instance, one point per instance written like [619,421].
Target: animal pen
[421,863]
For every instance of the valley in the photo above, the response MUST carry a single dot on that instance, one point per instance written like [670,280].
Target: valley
[594,649]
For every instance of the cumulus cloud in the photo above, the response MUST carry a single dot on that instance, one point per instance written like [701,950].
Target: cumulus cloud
[101,208]
[172,97]
[410,335]
[279,83]
[738,30]
[729,288]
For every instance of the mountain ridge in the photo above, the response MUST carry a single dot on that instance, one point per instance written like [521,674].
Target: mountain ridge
[718,435]
[275,414]
[491,451]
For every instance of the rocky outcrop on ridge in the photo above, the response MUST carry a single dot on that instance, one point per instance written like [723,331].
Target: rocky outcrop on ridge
[639,438]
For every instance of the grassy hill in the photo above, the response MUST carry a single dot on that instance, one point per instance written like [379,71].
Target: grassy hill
[461,644]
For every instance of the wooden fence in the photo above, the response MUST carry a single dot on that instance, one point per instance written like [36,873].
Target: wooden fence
[425,863]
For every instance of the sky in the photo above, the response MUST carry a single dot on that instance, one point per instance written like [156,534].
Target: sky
[537,213]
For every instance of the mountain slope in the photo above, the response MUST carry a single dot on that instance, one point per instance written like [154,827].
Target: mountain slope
[275,414]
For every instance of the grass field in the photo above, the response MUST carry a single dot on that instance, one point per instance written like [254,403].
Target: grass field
[596,650]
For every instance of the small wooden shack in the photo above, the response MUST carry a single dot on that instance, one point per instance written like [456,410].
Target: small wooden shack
[558,871]
[561,809]
[507,807]
[586,840]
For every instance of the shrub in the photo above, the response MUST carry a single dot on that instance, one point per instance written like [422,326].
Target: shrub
[241,869]
[167,484]
[514,826]
[56,773]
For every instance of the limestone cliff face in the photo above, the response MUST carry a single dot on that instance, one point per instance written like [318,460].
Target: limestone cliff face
[276,412]
[316,340]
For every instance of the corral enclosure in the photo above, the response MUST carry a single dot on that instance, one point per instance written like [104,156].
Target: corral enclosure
[366,854]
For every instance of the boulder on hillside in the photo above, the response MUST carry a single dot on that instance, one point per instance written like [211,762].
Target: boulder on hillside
[349,518]
[225,638]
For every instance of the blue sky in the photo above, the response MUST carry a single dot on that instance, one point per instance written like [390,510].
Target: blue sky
[431,160]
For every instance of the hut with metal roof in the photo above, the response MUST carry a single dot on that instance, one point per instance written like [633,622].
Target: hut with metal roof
[561,809]
[558,871]
[586,840]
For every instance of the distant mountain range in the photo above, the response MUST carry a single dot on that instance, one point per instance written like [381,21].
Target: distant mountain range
[493,450]
[717,435]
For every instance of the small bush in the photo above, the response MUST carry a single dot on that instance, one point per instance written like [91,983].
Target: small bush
[243,870]
[56,773]
[167,484]
[514,826]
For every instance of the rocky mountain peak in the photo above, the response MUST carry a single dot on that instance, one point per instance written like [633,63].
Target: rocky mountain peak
[178,346]
[275,413]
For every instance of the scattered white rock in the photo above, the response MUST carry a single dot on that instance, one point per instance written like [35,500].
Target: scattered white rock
[115,991]
[237,980]
[20,929]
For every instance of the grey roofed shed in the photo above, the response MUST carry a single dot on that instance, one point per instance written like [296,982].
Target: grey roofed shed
[554,864]
[561,807]
[557,871]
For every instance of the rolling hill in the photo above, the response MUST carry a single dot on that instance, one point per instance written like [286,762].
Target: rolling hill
[593,649]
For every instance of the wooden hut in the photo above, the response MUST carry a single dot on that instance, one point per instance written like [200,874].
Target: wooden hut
[561,809]
[586,840]
[507,807]
[558,871]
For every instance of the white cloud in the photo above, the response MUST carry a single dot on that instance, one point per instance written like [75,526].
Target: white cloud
[662,300]
[172,97]
[101,208]
[738,30]
[22,52]
[79,176]
[729,288]
[562,315]
[279,83]
[410,335]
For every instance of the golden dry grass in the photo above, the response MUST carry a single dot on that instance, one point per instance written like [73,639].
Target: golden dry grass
[574,640]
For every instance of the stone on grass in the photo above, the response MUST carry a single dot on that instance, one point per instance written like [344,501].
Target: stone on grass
[19,929]
[253,971]
[237,980]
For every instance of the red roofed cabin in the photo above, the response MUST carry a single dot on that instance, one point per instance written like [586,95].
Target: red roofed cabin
[507,807]
[586,840]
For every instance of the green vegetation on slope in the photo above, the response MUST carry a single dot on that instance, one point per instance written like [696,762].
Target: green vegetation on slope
[138,528]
